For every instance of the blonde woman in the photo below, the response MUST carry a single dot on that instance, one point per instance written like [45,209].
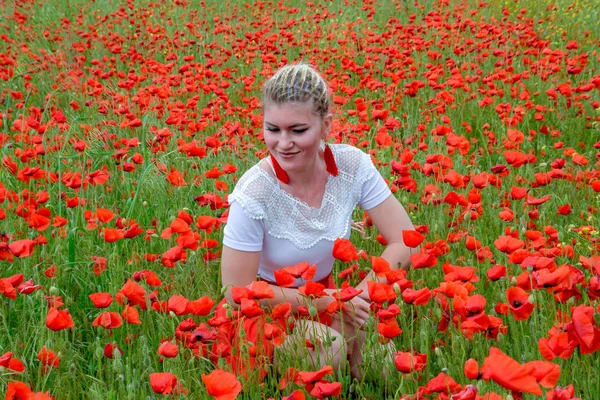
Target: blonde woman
[291,206]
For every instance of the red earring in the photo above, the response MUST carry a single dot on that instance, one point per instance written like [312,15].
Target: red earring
[330,161]
[279,172]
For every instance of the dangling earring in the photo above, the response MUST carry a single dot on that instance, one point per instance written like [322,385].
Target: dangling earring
[279,172]
[330,164]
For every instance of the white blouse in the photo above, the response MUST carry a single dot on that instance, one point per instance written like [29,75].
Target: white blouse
[264,217]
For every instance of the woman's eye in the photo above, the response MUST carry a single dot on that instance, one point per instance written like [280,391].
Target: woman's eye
[300,130]
[272,129]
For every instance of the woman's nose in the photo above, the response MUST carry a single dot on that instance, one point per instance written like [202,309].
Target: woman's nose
[285,140]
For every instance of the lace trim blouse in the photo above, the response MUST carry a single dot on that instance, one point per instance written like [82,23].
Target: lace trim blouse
[264,217]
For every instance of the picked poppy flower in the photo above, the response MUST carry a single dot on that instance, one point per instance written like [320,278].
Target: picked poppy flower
[344,250]
[313,289]
[283,278]
[380,292]
[260,290]
[380,265]
[222,385]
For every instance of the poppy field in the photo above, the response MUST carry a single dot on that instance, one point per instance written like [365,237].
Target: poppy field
[124,126]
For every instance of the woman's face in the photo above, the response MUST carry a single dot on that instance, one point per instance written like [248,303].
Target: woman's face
[293,133]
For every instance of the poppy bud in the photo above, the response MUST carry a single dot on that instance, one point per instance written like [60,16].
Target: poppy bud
[53,290]
[312,311]
[531,299]
[229,313]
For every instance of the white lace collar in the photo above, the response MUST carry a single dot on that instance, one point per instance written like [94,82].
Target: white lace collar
[287,217]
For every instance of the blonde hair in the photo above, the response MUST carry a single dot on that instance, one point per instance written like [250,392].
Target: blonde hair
[298,83]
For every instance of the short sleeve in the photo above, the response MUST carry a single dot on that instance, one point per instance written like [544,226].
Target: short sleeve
[374,191]
[242,232]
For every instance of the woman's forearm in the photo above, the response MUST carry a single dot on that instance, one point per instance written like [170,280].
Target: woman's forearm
[397,255]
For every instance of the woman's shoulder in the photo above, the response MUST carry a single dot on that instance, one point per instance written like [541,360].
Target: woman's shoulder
[255,186]
[350,159]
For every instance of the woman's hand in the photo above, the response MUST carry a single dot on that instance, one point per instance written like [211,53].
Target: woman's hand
[356,312]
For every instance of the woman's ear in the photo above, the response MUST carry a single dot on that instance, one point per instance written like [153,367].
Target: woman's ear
[327,121]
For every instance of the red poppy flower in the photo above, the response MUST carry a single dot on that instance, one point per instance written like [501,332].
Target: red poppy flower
[442,383]
[344,250]
[407,362]
[260,290]
[544,372]
[380,292]
[48,358]
[163,382]
[307,377]
[222,385]
[380,265]
[59,319]
[389,328]
[11,363]
[18,391]
[101,300]
[471,369]
[283,278]
[518,302]
[178,304]
[131,315]
[110,349]
[416,297]
[200,307]
[323,390]
[412,238]
[168,349]
[423,260]
[509,373]
[22,248]
[108,320]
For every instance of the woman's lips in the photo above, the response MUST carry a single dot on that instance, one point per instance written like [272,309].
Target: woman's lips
[287,156]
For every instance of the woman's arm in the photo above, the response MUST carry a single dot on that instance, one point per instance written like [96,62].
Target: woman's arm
[390,219]
[239,268]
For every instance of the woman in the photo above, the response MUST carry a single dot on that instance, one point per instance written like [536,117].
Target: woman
[291,206]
